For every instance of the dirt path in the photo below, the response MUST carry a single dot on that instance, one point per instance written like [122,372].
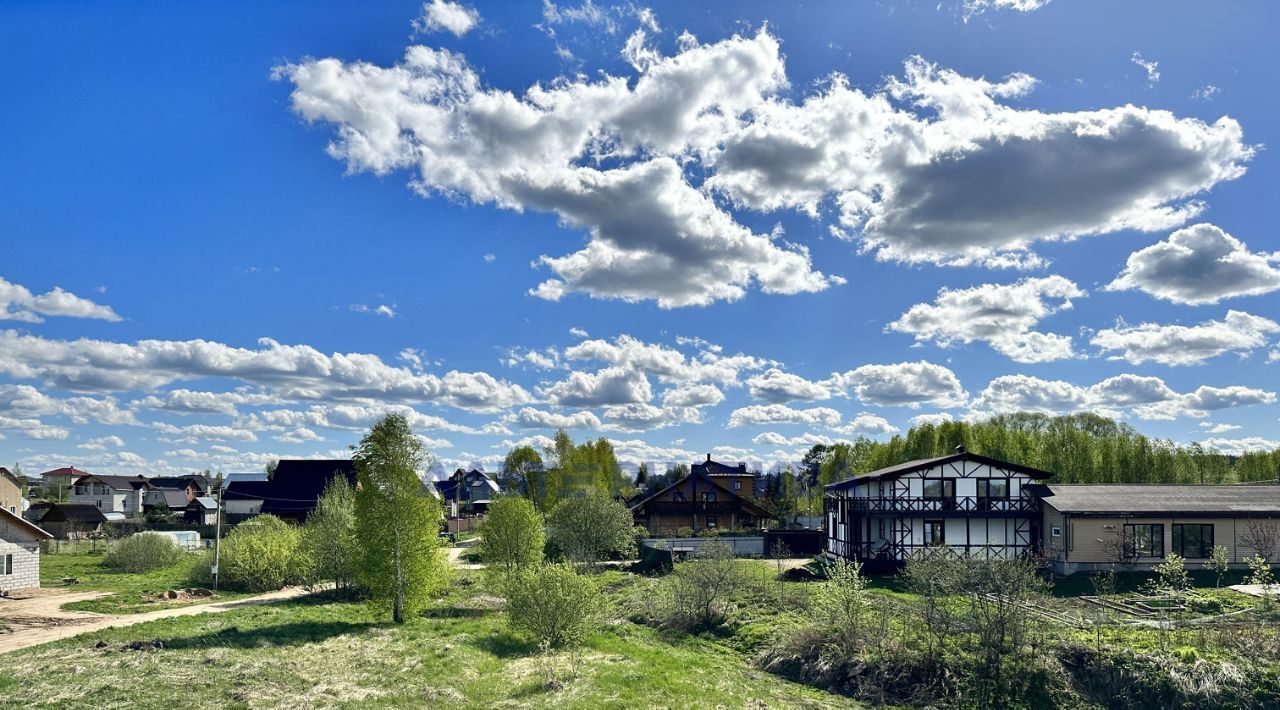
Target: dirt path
[39,618]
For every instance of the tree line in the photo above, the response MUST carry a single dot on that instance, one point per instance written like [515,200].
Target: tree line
[1078,448]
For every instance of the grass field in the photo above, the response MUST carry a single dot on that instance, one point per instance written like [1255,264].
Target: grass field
[133,591]
[324,652]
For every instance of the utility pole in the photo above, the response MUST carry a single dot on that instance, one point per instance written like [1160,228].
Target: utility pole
[217,536]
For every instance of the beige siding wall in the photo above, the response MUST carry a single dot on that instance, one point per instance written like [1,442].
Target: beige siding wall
[1085,538]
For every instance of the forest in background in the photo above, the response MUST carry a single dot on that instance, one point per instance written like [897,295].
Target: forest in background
[1078,448]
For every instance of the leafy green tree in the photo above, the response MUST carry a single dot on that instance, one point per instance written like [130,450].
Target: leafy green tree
[1172,575]
[329,537]
[553,603]
[589,528]
[399,557]
[523,472]
[512,534]
[1219,562]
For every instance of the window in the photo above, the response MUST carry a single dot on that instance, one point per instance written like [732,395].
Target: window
[935,532]
[709,497]
[1193,541]
[711,521]
[8,565]
[1055,531]
[1145,540]
[993,488]
[737,485]
[940,488]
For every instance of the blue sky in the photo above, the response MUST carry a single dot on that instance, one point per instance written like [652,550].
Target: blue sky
[708,228]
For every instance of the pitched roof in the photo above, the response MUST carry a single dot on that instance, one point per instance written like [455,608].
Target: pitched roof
[1161,498]
[119,483]
[180,482]
[295,487]
[922,464]
[174,499]
[65,471]
[715,468]
[204,502]
[74,512]
[31,527]
[746,502]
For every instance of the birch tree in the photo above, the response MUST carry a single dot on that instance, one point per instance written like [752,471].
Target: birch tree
[396,527]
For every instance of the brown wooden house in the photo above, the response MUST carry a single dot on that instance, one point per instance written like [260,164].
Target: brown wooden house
[701,501]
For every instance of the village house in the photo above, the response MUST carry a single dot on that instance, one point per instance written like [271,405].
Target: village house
[111,494]
[713,496]
[202,510]
[57,483]
[979,506]
[467,492]
[19,553]
[290,492]
[1088,527]
[973,504]
[67,521]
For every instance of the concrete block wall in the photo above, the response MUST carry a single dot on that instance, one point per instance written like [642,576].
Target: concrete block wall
[26,565]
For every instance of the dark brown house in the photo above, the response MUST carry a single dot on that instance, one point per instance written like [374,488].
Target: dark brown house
[68,521]
[712,496]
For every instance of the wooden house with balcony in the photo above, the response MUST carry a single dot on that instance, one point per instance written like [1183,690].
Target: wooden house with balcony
[973,504]
[713,496]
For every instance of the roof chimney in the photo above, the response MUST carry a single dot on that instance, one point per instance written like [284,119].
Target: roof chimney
[960,449]
[708,458]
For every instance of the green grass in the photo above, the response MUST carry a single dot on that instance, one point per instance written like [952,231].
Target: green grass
[323,652]
[132,590]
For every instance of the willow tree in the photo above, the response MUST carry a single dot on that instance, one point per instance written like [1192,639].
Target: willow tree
[396,526]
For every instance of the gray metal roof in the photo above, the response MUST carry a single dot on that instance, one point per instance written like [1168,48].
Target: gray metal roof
[1157,499]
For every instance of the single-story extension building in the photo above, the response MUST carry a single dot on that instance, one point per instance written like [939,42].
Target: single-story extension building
[1088,527]
[19,552]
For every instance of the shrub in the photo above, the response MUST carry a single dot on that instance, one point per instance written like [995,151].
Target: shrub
[1172,575]
[842,601]
[591,528]
[1204,604]
[552,602]
[512,534]
[699,591]
[142,553]
[261,555]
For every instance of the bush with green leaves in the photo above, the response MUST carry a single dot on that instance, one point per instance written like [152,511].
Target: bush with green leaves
[262,555]
[553,603]
[590,528]
[512,534]
[142,553]
[1172,575]
[699,592]
[841,602]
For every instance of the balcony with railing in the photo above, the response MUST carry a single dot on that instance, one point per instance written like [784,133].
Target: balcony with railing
[956,504]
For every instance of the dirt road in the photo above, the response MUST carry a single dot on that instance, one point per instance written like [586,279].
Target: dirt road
[39,618]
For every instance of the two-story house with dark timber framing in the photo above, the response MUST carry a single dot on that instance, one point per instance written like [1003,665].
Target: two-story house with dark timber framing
[973,504]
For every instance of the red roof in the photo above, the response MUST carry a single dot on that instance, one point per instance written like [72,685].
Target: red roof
[65,471]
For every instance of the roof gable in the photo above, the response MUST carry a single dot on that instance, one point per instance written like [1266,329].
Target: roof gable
[30,527]
[923,464]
